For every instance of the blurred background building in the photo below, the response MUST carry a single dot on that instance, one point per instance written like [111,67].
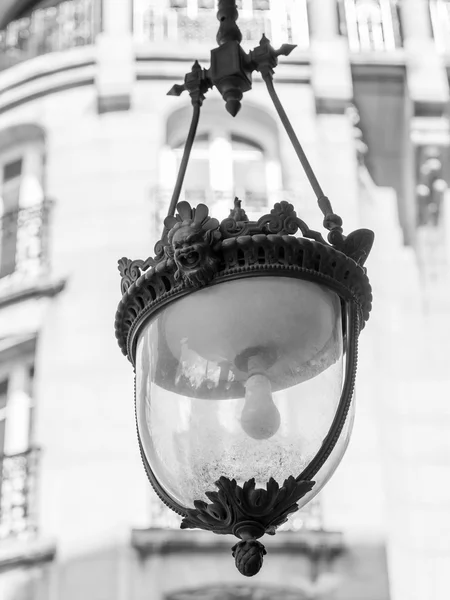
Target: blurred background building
[89,148]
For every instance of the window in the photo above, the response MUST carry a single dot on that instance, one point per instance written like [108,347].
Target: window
[3,402]
[23,211]
[17,456]
[250,172]
[223,166]
[440,22]
[10,191]
[16,389]
[371,25]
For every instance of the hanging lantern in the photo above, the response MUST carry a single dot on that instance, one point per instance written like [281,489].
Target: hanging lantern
[243,335]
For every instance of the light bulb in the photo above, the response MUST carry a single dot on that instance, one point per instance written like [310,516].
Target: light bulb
[260,418]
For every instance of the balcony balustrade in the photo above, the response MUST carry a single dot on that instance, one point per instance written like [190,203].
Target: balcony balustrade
[24,235]
[187,21]
[67,25]
[370,25]
[17,495]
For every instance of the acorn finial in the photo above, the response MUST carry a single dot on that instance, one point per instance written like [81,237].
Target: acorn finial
[248,556]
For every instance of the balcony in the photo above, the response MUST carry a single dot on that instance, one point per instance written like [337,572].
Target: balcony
[24,251]
[18,495]
[195,21]
[68,25]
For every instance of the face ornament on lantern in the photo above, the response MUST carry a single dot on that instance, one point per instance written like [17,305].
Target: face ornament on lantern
[243,335]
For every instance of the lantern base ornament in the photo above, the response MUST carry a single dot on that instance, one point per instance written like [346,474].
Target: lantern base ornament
[248,513]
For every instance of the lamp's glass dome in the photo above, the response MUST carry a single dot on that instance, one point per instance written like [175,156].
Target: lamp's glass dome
[241,380]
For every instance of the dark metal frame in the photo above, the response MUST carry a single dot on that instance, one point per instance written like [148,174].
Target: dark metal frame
[197,251]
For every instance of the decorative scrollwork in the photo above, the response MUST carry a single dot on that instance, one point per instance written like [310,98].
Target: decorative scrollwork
[247,512]
[195,249]
[131,270]
[283,220]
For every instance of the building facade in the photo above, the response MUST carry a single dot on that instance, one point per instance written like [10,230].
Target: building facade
[89,149]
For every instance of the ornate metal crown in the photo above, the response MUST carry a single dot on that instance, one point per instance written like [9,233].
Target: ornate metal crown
[197,250]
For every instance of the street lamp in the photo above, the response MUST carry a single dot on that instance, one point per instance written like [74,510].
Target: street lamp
[243,338]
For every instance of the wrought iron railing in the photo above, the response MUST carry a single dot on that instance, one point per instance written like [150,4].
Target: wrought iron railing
[440,23]
[195,21]
[66,25]
[371,25]
[18,494]
[24,238]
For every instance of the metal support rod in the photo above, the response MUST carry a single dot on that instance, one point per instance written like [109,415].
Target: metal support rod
[322,200]
[184,162]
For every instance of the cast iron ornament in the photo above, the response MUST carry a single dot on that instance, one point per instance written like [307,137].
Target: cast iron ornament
[198,250]
[248,513]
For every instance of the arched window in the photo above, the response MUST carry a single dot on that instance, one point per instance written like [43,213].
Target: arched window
[226,161]
[226,165]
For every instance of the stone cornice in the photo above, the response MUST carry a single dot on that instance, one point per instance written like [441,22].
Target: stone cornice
[41,288]
[15,554]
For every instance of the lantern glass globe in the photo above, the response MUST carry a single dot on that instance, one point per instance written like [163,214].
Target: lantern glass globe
[241,379]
